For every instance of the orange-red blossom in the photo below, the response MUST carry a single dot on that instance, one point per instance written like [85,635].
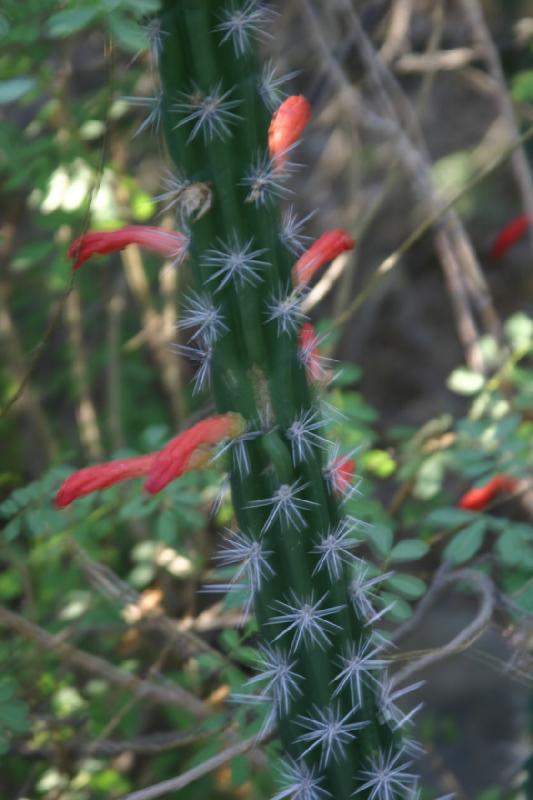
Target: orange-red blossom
[509,236]
[189,450]
[167,243]
[479,498]
[286,127]
[342,471]
[330,245]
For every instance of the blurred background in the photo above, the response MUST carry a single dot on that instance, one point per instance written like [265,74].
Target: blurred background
[421,145]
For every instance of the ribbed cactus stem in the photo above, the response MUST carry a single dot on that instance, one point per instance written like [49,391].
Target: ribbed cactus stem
[322,671]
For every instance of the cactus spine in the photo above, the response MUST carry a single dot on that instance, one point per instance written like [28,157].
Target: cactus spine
[322,672]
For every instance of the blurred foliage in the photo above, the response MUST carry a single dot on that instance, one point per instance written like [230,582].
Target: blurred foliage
[99,572]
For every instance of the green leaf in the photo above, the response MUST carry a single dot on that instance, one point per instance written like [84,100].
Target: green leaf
[166,526]
[408,585]
[465,381]
[65,23]
[515,546]
[14,716]
[400,611]
[379,462]
[348,374]
[14,89]
[129,35]
[12,529]
[450,517]
[409,550]
[522,86]
[380,538]
[466,544]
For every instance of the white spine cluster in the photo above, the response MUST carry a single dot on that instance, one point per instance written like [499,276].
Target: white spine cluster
[284,308]
[210,113]
[303,436]
[242,25]
[201,314]
[235,261]
[305,620]
[328,730]
[286,506]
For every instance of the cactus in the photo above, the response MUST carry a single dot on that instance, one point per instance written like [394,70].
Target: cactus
[323,671]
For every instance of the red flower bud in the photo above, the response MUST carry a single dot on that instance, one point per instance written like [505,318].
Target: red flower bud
[167,243]
[330,245]
[341,471]
[479,498]
[188,450]
[507,237]
[100,476]
[286,127]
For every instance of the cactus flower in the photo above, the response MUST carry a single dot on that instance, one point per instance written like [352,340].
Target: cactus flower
[330,245]
[478,499]
[286,127]
[509,236]
[100,476]
[189,449]
[166,243]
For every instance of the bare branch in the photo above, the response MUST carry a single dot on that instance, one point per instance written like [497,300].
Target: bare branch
[172,785]
[475,581]
[163,695]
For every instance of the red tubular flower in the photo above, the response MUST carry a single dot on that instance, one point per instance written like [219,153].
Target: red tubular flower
[100,476]
[342,471]
[189,449]
[286,127]
[167,243]
[479,498]
[330,245]
[509,236]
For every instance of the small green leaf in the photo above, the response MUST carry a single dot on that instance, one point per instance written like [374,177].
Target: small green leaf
[408,585]
[409,550]
[348,374]
[64,23]
[12,529]
[380,538]
[450,517]
[465,381]
[379,462]
[466,544]
[400,610]
[166,526]
[14,89]
[515,546]
[129,35]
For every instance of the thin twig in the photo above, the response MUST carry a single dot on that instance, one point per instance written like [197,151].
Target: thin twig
[485,44]
[398,32]
[163,695]
[394,258]
[152,324]
[89,428]
[475,581]
[213,763]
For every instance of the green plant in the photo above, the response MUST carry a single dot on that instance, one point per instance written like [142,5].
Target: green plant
[322,676]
